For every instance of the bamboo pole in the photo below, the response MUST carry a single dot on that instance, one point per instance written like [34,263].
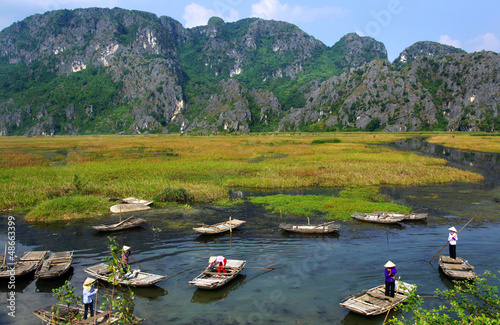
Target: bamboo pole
[138,264]
[448,241]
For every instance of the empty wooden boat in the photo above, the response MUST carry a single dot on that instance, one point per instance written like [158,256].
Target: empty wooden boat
[125,207]
[457,269]
[210,279]
[125,224]
[323,228]
[55,265]
[415,216]
[219,227]
[378,217]
[140,279]
[134,200]
[374,301]
[24,265]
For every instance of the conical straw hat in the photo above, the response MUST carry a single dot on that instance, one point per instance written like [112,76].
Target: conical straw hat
[389,264]
[89,281]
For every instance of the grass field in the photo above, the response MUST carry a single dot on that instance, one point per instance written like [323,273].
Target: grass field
[34,170]
[486,142]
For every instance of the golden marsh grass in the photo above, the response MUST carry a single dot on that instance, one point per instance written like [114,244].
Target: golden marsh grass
[36,169]
[468,141]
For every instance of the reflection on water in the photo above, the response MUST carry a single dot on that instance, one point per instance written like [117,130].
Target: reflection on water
[46,285]
[207,296]
[485,163]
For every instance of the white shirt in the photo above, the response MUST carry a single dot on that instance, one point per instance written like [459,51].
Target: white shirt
[452,238]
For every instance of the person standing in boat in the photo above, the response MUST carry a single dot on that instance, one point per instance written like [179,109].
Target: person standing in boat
[390,281]
[452,241]
[221,262]
[127,251]
[89,296]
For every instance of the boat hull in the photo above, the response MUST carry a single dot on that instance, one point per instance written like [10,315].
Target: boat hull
[219,227]
[143,279]
[457,269]
[377,217]
[309,229]
[210,279]
[374,302]
[126,225]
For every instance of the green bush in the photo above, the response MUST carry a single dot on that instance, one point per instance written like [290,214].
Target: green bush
[169,194]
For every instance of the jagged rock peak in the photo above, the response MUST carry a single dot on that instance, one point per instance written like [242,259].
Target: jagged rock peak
[359,50]
[424,48]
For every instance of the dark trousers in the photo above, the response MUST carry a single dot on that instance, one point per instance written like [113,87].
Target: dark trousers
[453,251]
[87,307]
[390,288]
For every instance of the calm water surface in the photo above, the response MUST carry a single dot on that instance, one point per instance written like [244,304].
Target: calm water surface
[312,273]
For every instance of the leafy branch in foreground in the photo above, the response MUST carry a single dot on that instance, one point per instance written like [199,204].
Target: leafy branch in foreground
[469,302]
[120,306]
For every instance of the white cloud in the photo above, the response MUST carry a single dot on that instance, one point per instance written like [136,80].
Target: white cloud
[488,42]
[196,15]
[273,9]
[447,40]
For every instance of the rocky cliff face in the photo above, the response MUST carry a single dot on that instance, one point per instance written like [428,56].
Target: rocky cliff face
[111,70]
[425,48]
[451,92]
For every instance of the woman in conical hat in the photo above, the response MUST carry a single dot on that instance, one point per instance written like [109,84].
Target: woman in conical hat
[127,251]
[89,296]
[452,241]
[390,282]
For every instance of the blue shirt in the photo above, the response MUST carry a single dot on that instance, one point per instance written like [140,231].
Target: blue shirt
[89,295]
[389,274]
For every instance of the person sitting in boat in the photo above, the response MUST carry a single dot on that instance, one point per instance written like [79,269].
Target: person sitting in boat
[452,241]
[390,281]
[219,261]
[89,296]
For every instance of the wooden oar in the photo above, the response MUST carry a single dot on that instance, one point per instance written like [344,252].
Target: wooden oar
[119,223]
[138,264]
[325,224]
[448,242]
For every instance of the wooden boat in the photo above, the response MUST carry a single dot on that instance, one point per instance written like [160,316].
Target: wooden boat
[60,314]
[134,200]
[374,301]
[55,265]
[457,269]
[219,227]
[378,217]
[124,208]
[415,216]
[63,314]
[141,279]
[210,279]
[323,228]
[124,224]
[26,264]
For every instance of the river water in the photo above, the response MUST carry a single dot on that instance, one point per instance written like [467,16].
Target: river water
[312,273]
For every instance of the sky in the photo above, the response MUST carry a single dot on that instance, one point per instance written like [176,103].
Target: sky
[469,25]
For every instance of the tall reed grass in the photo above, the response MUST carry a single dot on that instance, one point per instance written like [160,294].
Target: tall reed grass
[36,169]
